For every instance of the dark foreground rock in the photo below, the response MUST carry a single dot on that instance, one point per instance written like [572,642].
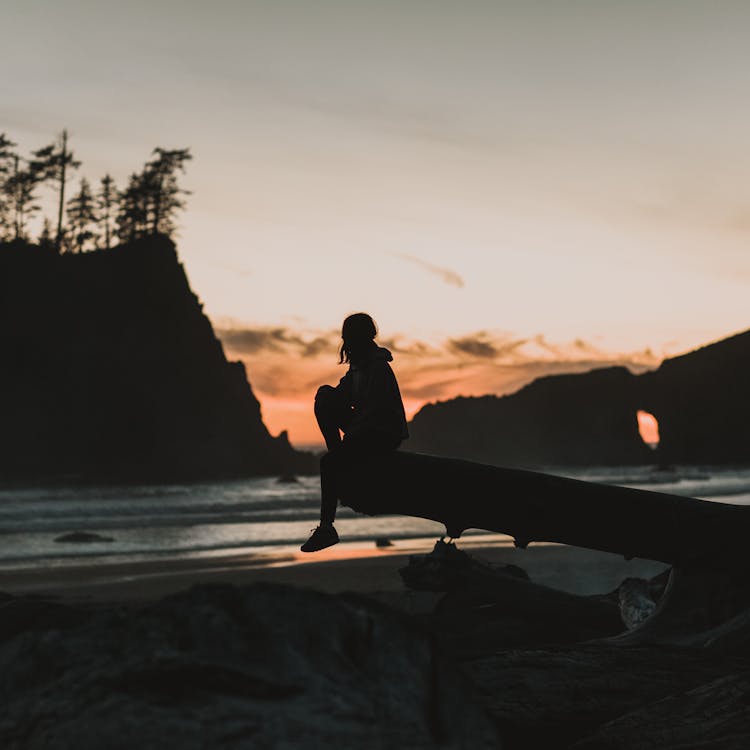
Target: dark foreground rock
[493,662]
[489,606]
[558,670]
[710,716]
[227,667]
[557,697]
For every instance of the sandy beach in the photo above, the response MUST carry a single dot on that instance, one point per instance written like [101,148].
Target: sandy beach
[346,567]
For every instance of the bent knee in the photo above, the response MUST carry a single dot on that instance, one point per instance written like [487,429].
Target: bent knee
[325,399]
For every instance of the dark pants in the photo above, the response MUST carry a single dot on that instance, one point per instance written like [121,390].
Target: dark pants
[333,418]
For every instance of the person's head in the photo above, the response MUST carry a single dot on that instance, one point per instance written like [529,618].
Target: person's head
[357,334]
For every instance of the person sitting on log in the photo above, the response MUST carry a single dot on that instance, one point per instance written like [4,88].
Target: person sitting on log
[366,406]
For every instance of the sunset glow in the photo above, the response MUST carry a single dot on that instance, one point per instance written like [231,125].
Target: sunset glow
[648,428]
[286,367]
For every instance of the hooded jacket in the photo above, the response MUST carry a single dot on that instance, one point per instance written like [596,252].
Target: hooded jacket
[370,390]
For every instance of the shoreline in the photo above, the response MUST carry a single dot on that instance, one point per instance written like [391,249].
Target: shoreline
[347,567]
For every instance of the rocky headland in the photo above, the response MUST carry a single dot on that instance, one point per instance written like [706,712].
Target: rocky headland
[111,370]
[701,401]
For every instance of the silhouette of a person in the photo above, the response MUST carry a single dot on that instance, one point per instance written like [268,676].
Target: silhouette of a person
[366,406]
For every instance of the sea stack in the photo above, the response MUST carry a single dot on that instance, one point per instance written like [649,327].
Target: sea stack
[110,369]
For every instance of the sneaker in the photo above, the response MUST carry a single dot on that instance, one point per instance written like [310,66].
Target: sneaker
[322,537]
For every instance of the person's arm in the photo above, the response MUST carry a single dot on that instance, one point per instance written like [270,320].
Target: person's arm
[342,393]
[344,388]
[382,407]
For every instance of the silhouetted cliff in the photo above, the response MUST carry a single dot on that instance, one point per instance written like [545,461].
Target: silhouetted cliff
[702,403]
[700,399]
[111,369]
[581,419]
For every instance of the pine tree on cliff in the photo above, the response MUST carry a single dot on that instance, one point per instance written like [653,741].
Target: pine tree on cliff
[149,203]
[6,168]
[18,189]
[53,163]
[45,236]
[165,195]
[82,216]
[107,200]
[132,214]
[6,154]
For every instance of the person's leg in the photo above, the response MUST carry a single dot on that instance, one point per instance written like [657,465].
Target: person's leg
[325,535]
[330,415]
[328,497]
[352,447]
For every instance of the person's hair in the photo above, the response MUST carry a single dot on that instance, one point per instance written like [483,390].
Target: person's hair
[357,333]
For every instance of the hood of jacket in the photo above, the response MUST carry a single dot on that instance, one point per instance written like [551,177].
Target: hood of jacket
[380,352]
[376,353]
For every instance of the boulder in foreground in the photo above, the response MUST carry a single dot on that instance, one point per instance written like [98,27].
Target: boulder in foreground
[220,666]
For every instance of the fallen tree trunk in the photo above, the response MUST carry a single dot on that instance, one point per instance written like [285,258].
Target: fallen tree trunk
[535,507]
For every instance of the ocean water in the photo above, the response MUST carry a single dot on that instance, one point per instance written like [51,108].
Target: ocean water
[251,516]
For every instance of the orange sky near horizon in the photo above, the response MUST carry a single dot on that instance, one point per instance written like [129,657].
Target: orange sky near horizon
[648,427]
[294,413]
[285,368]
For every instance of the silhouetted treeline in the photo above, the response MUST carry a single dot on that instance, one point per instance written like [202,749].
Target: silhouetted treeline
[92,217]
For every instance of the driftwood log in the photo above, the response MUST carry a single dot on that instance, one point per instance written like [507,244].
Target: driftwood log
[536,507]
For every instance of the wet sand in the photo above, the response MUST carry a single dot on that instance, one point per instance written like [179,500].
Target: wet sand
[351,567]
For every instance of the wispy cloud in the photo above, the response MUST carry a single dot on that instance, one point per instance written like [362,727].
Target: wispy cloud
[446,274]
[483,346]
[290,362]
[474,347]
[248,341]
[411,348]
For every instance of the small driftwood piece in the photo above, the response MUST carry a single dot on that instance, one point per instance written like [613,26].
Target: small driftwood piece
[448,568]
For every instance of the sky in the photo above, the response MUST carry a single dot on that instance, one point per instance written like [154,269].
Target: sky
[511,189]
